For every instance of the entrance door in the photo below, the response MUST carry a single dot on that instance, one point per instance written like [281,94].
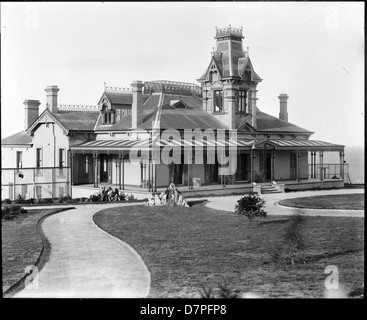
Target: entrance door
[268,167]
[106,169]
[243,167]
[177,173]
[293,168]
[211,169]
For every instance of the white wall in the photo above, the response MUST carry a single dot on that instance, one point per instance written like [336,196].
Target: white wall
[50,138]
[132,173]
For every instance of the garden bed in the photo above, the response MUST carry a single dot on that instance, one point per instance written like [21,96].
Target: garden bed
[338,202]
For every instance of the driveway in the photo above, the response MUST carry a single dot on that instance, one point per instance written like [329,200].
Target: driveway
[86,262]
[273,208]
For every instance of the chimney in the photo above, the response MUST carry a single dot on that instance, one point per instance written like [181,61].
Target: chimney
[51,95]
[137,106]
[252,100]
[31,112]
[283,114]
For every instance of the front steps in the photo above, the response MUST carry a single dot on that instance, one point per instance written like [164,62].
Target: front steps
[268,189]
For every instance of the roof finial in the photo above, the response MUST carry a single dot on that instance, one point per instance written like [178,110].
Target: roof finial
[104,86]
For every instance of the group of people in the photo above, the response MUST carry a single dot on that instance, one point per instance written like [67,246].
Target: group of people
[109,194]
[170,197]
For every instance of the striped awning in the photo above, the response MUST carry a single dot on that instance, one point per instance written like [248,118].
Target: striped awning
[300,144]
[119,145]
[148,144]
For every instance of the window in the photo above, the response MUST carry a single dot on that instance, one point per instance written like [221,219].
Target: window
[61,161]
[39,157]
[61,192]
[86,164]
[242,101]
[39,192]
[108,117]
[61,158]
[218,101]
[24,190]
[19,159]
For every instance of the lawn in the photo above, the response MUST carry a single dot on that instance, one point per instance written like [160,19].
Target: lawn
[340,201]
[21,244]
[186,249]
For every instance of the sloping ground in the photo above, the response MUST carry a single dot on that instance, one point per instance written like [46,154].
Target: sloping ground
[187,248]
[85,262]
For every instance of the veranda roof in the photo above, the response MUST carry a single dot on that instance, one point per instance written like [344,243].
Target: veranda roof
[286,144]
[116,145]
[148,144]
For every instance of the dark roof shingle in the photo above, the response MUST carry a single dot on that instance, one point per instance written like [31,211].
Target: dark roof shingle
[267,122]
[20,138]
[77,121]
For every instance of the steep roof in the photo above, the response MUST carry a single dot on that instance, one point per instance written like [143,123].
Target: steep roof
[120,99]
[20,138]
[77,121]
[192,117]
[116,98]
[269,123]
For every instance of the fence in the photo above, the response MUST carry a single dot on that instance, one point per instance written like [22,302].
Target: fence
[37,183]
[328,171]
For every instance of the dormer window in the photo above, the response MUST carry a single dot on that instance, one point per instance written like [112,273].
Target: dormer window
[108,116]
[218,101]
[242,101]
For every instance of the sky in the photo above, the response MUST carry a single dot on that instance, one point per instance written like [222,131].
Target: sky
[313,51]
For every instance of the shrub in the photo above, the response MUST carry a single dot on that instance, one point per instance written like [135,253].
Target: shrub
[5,213]
[6,201]
[20,200]
[45,201]
[30,201]
[251,206]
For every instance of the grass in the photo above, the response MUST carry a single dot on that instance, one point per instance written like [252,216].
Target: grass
[21,244]
[340,201]
[187,249]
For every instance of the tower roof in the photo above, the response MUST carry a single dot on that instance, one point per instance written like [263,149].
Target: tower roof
[230,60]
[229,32]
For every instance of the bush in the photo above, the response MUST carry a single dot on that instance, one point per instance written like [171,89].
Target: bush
[30,201]
[45,201]
[6,201]
[251,206]
[20,200]
[5,213]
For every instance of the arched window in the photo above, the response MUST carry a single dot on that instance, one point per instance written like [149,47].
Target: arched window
[218,101]
[242,101]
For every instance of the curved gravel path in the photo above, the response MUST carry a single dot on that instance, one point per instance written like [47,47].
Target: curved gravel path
[86,262]
[273,208]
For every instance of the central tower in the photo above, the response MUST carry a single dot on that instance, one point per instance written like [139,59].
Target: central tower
[229,83]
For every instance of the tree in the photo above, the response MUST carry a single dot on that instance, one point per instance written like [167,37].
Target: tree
[251,206]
